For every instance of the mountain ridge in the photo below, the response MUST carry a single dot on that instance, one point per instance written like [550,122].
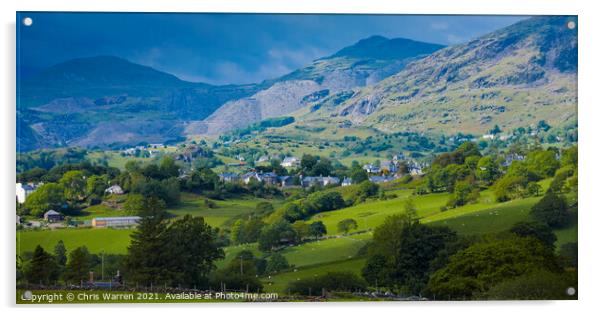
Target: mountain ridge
[360,64]
[511,77]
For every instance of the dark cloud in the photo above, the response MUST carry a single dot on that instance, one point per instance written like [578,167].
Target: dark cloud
[227,48]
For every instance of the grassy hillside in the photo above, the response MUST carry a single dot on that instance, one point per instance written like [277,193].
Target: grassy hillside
[278,283]
[336,251]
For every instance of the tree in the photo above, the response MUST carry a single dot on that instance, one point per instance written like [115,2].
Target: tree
[308,162]
[366,189]
[145,260]
[464,193]
[277,262]
[251,230]
[168,168]
[358,175]
[236,232]
[78,266]
[331,281]
[542,163]
[481,266]
[538,285]
[301,228]
[279,233]
[410,210]
[96,185]
[317,229]
[134,204]
[537,230]
[182,253]
[552,209]
[74,185]
[292,212]
[487,169]
[48,196]
[510,187]
[42,268]
[403,250]
[191,251]
[321,168]
[240,273]
[568,254]
[60,253]
[376,270]
[569,157]
[346,225]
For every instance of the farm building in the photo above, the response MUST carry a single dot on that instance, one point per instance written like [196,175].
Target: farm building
[53,216]
[124,221]
[114,189]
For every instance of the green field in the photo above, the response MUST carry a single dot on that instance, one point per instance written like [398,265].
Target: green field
[97,240]
[99,210]
[278,283]
[195,205]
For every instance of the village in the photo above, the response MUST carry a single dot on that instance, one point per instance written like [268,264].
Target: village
[378,172]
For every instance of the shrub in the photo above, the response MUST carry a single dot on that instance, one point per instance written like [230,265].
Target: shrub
[552,209]
[331,281]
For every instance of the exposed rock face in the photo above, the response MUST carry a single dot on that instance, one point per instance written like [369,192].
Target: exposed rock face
[510,77]
[364,63]
[280,99]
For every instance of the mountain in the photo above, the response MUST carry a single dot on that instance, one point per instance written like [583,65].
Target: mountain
[379,47]
[364,63]
[105,99]
[513,77]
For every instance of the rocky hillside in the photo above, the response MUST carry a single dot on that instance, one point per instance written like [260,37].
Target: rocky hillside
[513,77]
[364,63]
[104,100]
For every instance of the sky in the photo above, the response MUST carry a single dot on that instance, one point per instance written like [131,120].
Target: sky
[226,48]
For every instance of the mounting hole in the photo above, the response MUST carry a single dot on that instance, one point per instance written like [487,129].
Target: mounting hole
[27,21]
[571,291]
[571,25]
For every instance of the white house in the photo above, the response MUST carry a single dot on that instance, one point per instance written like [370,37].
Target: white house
[229,177]
[24,190]
[416,170]
[370,168]
[263,158]
[347,182]
[291,162]
[246,178]
[330,180]
[114,189]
